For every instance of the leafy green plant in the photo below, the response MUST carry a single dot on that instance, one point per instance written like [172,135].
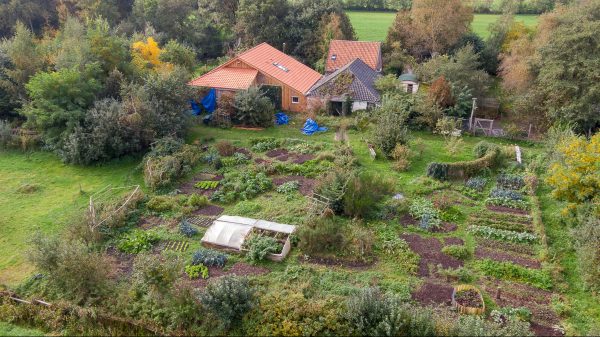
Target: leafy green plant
[264,144]
[458,251]
[482,148]
[196,200]
[503,314]
[506,194]
[259,247]
[209,258]
[510,181]
[476,183]
[235,160]
[364,193]
[187,229]
[500,234]
[242,185]
[162,203]
[424,210]
[510,271]
[501,224]
[137,241]
[195,271]
[510,203]
[225,148]
[288,187]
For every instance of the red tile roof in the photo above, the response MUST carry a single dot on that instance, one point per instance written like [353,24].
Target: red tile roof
[346,51]
[271,62]
[226,78]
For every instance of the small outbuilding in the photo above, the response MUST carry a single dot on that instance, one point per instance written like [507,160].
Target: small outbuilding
[348,89]
[409,82]
[230,233]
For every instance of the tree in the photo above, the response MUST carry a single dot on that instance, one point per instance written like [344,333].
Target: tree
[391,117]
[146,56]
[430,27]
[71,47]
[440,92]
[109,49]
[34,14]
[178,54]
[262,21]
[575,177]
[494,43]
[59,100]
[461,69]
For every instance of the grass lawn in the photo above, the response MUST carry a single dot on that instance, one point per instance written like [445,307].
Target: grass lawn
[7,329]
[373,26]
[49,208]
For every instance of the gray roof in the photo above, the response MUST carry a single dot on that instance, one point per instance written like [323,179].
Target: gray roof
[362,87]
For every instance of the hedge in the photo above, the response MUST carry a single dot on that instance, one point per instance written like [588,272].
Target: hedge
[464,169]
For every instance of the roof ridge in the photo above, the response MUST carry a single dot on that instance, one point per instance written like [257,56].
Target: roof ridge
[358,41]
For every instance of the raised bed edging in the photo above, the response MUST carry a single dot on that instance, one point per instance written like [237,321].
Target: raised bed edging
[467,310]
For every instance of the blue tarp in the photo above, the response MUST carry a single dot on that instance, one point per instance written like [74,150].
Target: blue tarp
[311,127]
[209,102]
[195,108]
[282,119]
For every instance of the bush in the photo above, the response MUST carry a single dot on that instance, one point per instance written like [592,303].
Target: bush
[364,193]
[587,236]
[162,203]
[197,200]
[253,108]
[229,299]
[209,258]
[390,125]
[322,236]
[458,251]
[401,155]
[137,241]
[288,187]
[7,139]
[195,271]
[333,186]
[155,273]
[186,229]
[225,148]
[162,169]
[482,148]
[242,185]
[259,247]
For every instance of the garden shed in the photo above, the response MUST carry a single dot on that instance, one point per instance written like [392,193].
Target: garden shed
[230,233]
[409,82]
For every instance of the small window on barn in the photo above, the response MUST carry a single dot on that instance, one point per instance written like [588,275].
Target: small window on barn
[295,99]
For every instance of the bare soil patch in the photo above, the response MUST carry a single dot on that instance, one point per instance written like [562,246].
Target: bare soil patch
[244,151]
[468,298]
[542,330]
[497,255]
[238,269]
[149,222]
[430,251]
[306,184]
[407,220]
[446,227]
[261,161]
[121,263]
[434,293]
[210,210]
[276,153]
[302,158]
[502,209]
[454,241]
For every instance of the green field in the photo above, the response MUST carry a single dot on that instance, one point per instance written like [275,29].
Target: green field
[47,209]
[7,329]
[373,26]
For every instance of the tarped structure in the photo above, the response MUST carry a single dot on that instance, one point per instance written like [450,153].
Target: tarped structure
[209,102]
[311,127]
[281,118]
[195,108]
[230,232]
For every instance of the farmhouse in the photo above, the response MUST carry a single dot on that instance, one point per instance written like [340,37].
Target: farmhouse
[268,67]
[342,52]
[347,89]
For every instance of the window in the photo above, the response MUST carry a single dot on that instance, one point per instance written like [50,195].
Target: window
[295,99]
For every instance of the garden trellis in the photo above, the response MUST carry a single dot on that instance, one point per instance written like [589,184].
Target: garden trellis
[106,195]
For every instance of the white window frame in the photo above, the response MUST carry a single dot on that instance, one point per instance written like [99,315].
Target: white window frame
[297,98]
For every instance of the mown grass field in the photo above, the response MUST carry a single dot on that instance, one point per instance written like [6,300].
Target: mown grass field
[373,26]
[7,329]
[62,191]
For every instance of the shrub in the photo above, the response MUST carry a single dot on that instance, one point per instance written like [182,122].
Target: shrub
[322,236]
[458,251]
[229,299]
[242,185]
[161,170]
[501,234]
[7,139]
[364,193]
[195,271]
[506,194]
[454,145]
[428,215]
[587,236]
[225,148]
[253,108]
[259,247]
[197,200]
[333,186]
[476,183]
[510,271]
[209,258]
[162,203]
[137,241]
[187,229]
[390,126]
[444,171]
[482,148]
[155,273]
[401,154]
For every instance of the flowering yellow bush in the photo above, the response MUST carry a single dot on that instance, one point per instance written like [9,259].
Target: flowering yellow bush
[576,176]
[146,55]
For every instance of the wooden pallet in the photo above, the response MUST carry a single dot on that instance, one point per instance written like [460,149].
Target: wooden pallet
[177,246]
[200,221]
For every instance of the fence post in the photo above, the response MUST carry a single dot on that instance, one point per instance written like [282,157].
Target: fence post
[474,107]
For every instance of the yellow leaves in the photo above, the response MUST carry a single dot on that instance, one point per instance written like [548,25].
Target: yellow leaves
[146,56]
